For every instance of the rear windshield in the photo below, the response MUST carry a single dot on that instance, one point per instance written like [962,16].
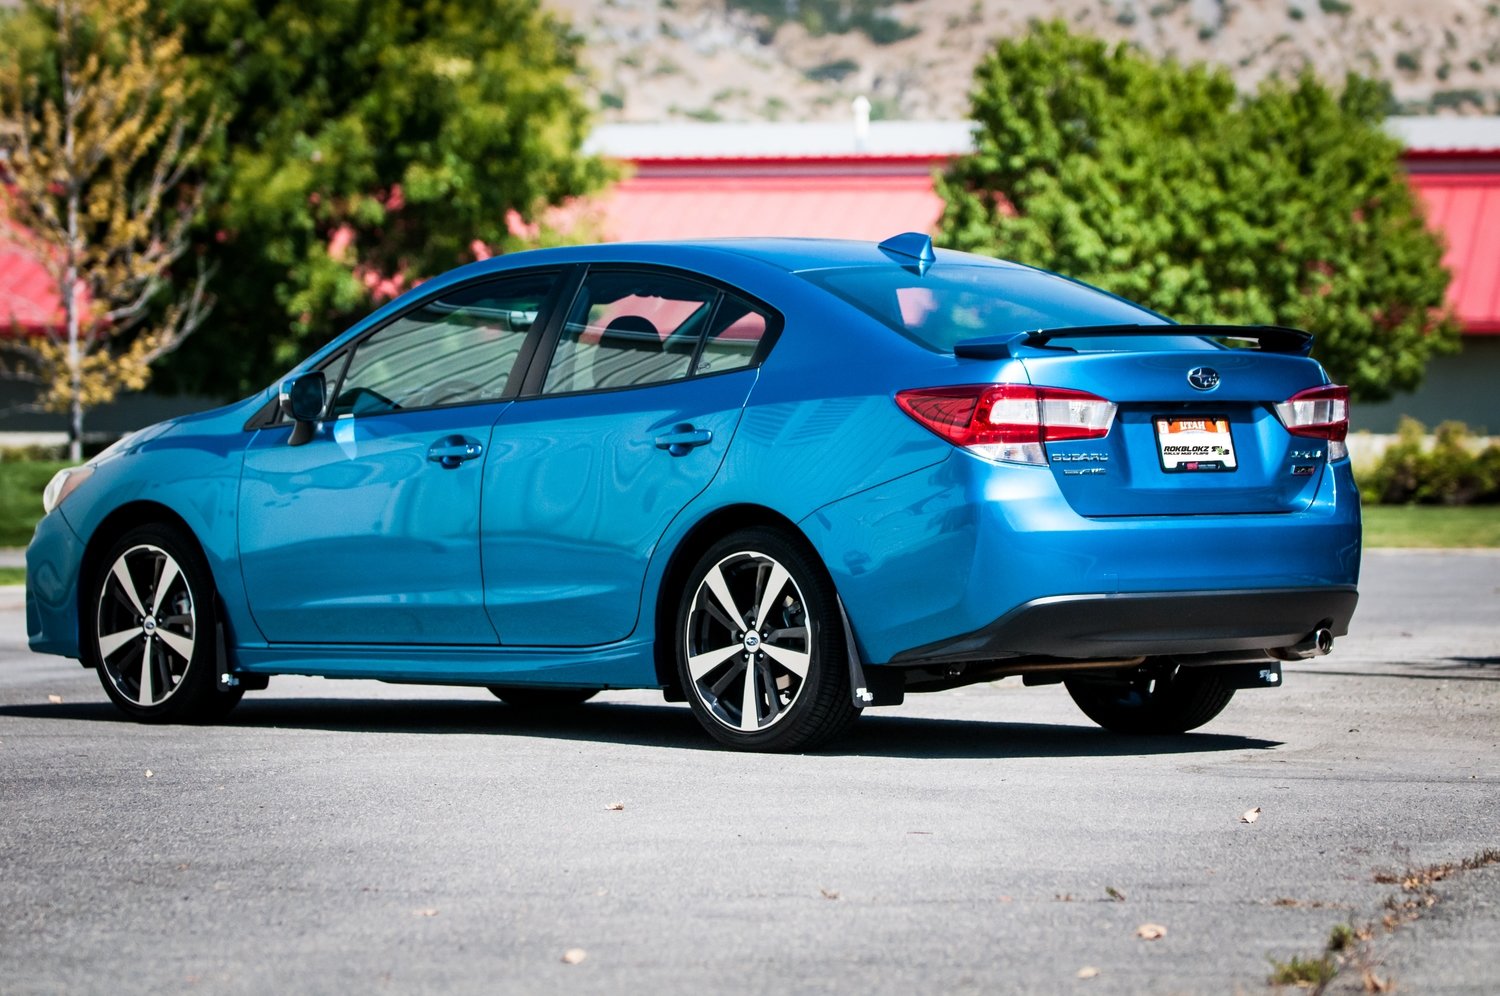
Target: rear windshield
[953,303]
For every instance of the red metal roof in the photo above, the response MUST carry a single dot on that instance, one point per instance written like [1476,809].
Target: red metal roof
[871,208]
[1465,207]
[29,302]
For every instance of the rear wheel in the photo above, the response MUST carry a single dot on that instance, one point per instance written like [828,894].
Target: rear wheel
[541,698]
[150,626]
[1163,703]
[760,645]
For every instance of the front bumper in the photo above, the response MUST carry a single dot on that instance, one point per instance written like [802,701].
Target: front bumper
[52,563]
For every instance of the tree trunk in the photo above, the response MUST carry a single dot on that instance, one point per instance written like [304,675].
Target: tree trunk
[70,271]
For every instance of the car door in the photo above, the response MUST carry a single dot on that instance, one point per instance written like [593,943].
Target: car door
[626,422]
[368,533]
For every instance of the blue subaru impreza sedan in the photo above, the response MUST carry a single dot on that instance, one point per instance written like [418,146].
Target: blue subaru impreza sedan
[783,480]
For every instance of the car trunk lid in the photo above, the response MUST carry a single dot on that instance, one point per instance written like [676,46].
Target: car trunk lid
[1196,431]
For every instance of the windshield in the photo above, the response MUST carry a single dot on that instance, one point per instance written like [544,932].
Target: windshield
[953,303]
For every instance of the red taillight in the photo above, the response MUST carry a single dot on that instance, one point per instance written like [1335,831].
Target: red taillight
[1008,422]
[1318,412]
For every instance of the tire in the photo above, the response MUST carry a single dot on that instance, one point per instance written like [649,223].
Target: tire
[795,658]
[1166,703]
[542,699]
[152,602]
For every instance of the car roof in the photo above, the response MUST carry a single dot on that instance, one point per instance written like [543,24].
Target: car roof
[789,254]
[797,254]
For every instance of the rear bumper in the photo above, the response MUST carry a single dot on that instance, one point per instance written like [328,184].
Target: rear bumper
[945,554]
[1148,623]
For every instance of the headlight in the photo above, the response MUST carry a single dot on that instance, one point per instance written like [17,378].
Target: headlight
[63,484]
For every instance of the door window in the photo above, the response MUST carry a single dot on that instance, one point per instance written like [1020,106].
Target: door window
[458,347]
[630,328]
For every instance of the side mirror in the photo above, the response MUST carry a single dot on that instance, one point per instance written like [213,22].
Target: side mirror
[302,398]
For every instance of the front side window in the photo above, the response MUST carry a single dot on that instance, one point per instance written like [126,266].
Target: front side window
[453,349]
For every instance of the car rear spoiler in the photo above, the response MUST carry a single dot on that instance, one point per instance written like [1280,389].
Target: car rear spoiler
[1268,338]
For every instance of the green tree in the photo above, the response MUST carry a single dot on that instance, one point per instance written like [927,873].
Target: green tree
[369,144]
[101,148]
[1159,182]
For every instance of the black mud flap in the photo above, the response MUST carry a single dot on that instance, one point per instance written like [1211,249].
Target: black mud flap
[228,678]
[879,686]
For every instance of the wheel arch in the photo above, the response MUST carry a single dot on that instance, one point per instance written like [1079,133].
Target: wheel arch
[703,534]
[114,525]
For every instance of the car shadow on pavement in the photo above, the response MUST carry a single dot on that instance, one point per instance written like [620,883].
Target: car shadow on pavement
[876,735]
[1436,669]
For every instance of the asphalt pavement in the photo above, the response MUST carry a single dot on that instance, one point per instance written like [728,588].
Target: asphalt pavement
[353,836]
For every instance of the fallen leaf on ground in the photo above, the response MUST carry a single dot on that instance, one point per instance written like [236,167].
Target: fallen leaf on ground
[1114,893]
[1250,815]
[55,699]
[427,912]
[829,894]
[1087,972]
[573,956]
[1151,931]
[615,807]
[1374,983]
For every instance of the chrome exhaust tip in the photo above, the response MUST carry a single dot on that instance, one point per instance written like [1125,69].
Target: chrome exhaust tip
[1316,644]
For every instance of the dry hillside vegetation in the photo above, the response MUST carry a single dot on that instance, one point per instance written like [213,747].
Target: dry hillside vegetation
[746,60]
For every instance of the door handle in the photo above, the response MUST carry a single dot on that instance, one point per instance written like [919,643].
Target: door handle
[450,451]
[683,438]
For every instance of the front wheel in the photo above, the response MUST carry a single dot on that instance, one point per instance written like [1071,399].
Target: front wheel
[1164,703]
[149,629]
[760,645]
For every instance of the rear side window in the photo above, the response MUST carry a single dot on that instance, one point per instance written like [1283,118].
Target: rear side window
[631,328]
[733,337]
[953,303]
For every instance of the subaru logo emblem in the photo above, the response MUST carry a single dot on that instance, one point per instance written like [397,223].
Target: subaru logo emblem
[1203,378]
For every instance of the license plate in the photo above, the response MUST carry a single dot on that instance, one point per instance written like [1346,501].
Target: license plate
[1194,444]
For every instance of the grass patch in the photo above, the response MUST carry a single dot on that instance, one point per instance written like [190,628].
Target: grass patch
[21,484]
[12,575]
[1432,525]
[1307,973]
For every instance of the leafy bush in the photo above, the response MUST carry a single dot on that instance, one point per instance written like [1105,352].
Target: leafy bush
[1450,472]
[832,71]
[1163,183]
[835,17]
[21,484]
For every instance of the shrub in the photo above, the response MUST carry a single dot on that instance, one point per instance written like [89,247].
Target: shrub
[832,71]
[1450,472]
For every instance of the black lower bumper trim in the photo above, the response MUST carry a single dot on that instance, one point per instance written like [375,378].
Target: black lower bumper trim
[1148,623]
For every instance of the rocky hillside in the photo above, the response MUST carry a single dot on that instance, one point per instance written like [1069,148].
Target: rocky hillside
[746,60]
